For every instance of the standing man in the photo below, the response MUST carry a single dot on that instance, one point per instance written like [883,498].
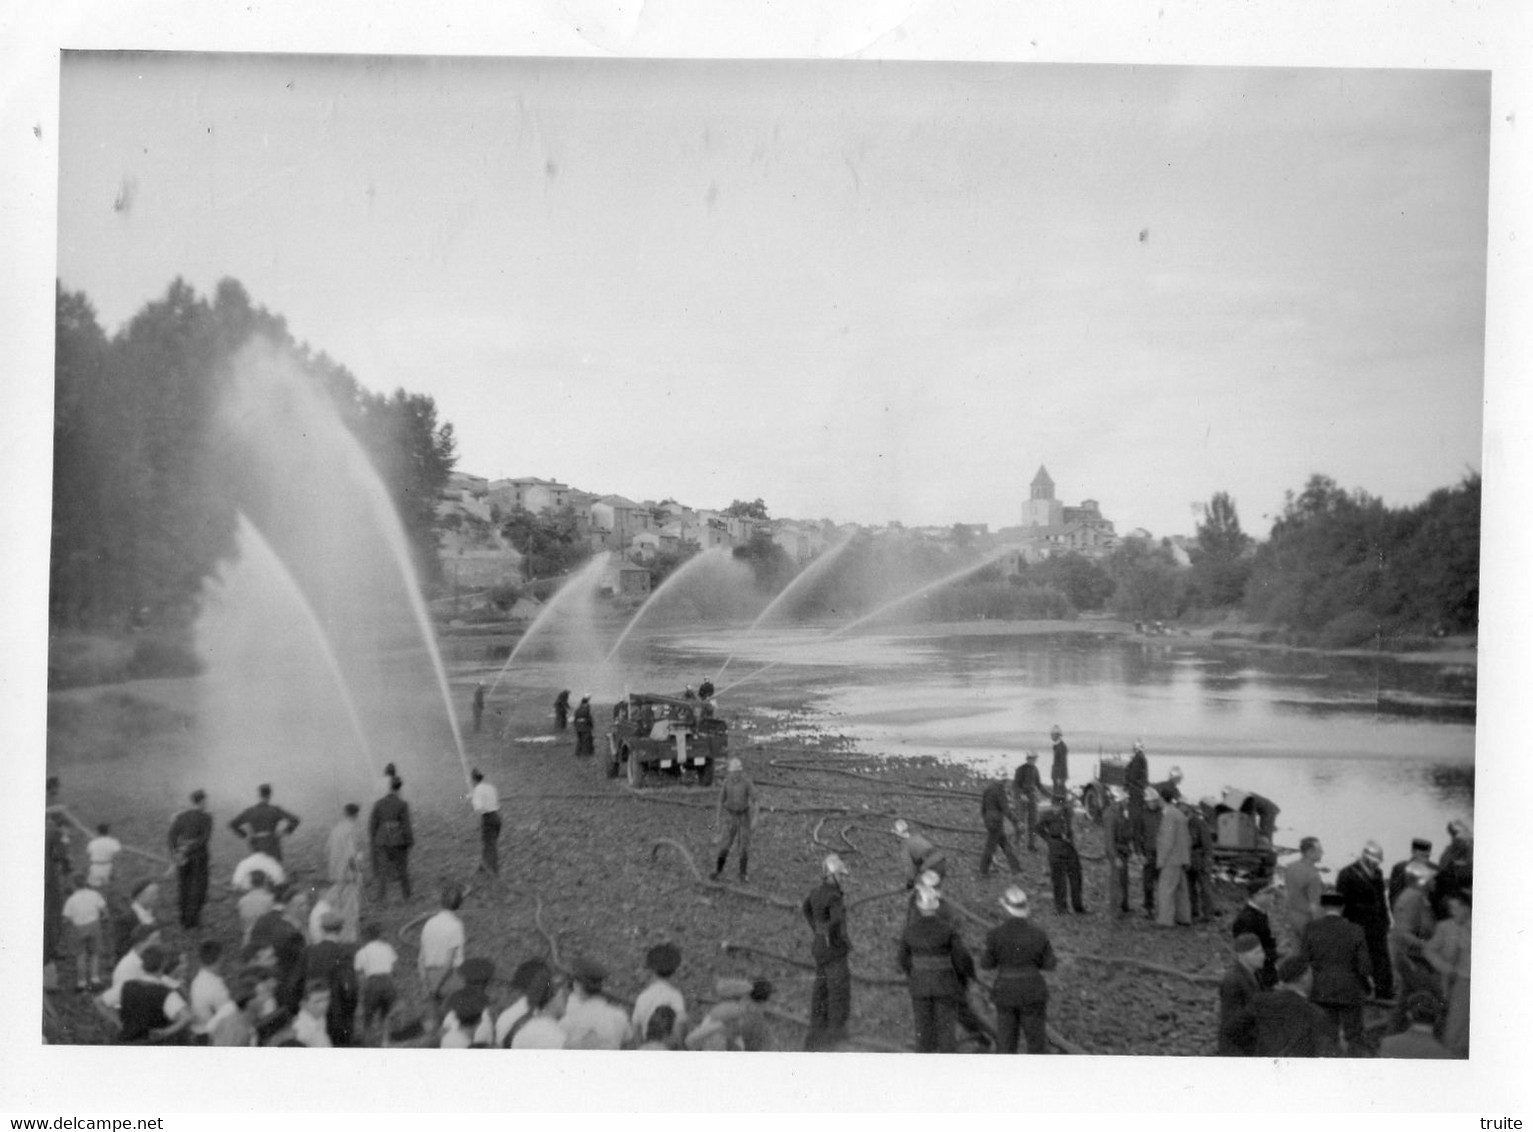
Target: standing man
[1020,952]
[1362,885]
[264,824]
[1059,772]
[1414,926]
[1200,846]
[478,705]
[705,689]
[1255,919]
[1149,873]
[388,829]
[343,856]
[1117,847]
[995,812]
[1029,784]
[1338,954]
[486,803]
[830,1003]
[101,851]
[1173,853]
[1303,884]
[1057,828]
[441,948]
[1136,779]
[190,832]
[562,709]
[1237,991]
[585,727]
[938,967]
[733,817]
[1421,850]
[1171,789]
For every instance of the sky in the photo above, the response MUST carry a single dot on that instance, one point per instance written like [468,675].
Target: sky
[860,290]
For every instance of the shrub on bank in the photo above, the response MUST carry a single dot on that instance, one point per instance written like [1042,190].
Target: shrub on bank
[999,601]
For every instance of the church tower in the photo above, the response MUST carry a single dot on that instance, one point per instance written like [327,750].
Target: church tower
[1041,508]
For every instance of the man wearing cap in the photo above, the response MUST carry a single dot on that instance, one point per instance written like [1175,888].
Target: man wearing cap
[1256,919]
[1287,1023]
[830,1002]
[919,855]
[1361,884]
[1237,990]
[391,834]
[486,803]
[264,824]
[1173,853]
[1059,771]
[1019,951]
[1303,886]
[661,961]
[1136,779]
[1338,955]
[938,968]
[1171,789]
[591,1020]
[1057,828]
[733,817]
[1117,846]
[1421,850]
[585,727]
[995,812]
[190,832]
[1029,784]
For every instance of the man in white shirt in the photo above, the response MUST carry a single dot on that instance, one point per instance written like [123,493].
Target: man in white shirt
[662,960]
[255,903]
[592,1021]
[343,851]
[441,947]
[264,863]
[374,965]
[486,803]
[541,1030]
[101,851]
[86,911]
[130,966]
[521,979]
[309,1024]
[208,993]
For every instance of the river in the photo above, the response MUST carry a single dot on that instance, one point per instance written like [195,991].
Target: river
[1306,730]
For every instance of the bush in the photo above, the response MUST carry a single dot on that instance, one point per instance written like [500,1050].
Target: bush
[1350,630]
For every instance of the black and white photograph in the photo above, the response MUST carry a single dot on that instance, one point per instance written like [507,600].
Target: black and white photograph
[877,543]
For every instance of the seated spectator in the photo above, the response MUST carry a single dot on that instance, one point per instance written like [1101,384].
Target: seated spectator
[661,1031]
[591,1020]
[539,1028]
[153,1010]
[521,979]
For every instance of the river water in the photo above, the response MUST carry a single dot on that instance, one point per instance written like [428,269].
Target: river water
[1306,730]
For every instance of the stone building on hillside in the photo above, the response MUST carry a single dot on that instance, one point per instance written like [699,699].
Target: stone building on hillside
[1049,527]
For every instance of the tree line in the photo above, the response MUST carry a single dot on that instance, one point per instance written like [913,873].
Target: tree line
[143,506]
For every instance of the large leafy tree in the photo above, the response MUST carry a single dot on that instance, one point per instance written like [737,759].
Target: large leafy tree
[1221,560]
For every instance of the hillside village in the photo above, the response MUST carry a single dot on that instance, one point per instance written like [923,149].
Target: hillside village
[477,555]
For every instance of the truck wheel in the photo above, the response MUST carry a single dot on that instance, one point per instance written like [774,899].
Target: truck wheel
[635,770]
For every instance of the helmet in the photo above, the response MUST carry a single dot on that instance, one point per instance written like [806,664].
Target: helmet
[734,765]
[927,900]
[1138,746]
[931,879]
[835,866]
[902,828]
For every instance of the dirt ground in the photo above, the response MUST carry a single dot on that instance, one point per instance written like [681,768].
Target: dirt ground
[591,866]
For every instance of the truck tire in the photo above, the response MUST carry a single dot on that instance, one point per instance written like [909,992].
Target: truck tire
[635,769]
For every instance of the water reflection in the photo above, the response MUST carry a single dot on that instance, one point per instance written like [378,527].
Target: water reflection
[1314,733]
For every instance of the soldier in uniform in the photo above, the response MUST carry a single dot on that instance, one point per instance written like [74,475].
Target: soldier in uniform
[995,812]
[1117,846]
[1019,951]
[734,816]
[939,967]
[585,727]
[1056,827]
[389,830]
[265,825]
[1059,772]
[830,1003]
[1136,777]
[1029,784]
[189,835]
[1338,954]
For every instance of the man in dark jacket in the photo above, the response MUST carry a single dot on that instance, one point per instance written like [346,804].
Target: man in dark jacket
[830,1002]
[1029,784]
[265,825]
[1019,952]
[388,829]
[938,967]
[1059,770]
[1338,954]
[1118,846]
[1150,869]
[585,727]
[995,812]
[1421,850]
[189,835]
[1200,848]
[1256,919]
[1237,991]
[562,709]
[1136,778]
[1361,884]
[1058,830]
[1287,1023]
